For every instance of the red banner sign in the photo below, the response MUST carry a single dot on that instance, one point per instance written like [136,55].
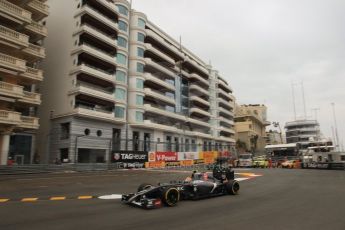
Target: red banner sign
[166,156]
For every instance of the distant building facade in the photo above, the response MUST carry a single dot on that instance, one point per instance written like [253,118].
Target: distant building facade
[302,132]
[274,137]
[250,127]
[116,81]
[22,32]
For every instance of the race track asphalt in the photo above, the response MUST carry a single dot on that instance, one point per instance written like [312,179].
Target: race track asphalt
[279,199]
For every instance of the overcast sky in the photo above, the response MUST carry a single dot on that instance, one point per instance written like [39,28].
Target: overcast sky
[261,46]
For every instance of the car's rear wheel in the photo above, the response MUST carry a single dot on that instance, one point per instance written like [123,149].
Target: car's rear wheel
[233,187]
[170,196]
[144,186]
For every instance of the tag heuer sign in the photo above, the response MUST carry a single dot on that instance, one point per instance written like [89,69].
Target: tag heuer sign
[117,156]
[130,156]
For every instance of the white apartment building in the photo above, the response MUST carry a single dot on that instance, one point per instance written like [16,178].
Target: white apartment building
[22,32]
[115,81]
[303,132]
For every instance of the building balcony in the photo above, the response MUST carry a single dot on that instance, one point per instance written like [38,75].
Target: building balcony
[100,54]
[97,114]
[225,104]
[226,130]
[200,111]
[35,52]
[37,31]
[10,90]
[200,100]
[199,134]
[196,65]
[228,96]
[14,12]
[226,120]
[151,78]
[100,35]
[97,15]
[311,129]
[159,111]
[159,96]
[12,63]
[226,139]
[199,79]
[94,91]
[10,117]
[161,41]
[110,6]
[29,122]
[39,9]
[33,74]
[226,111]
[93,71]
[13,38]
[225,86]
[148,124]
[199,90]
[198,122]
[160,68]
[30,98]
[162,55]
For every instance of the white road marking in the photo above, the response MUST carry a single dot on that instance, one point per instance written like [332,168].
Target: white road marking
[110,197]
[242,178]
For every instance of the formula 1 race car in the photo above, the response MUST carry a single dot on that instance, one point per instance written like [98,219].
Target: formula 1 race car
[200,185]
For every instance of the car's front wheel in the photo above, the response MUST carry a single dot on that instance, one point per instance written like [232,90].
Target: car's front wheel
[170,196]
[233,187]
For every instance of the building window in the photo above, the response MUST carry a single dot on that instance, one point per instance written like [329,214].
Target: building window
[87,132]
[120,94]
[140,52]
[139,100]
[140,83]
[140,68]
[123,26]
[65,130]
[99,133]
[141,23]
[141,37]
[123,10]
[187,145]
[122,59]
[120,76]
[170,108]
[119,112]
[64,156]
[139,116]
[122,42]
[193,146]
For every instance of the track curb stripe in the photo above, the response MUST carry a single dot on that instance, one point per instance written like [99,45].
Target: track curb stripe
[33,199]
[85,197]
[58,198]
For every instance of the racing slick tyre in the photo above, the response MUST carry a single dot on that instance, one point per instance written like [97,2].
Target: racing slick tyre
[170,196]
[232,187]
[144,186]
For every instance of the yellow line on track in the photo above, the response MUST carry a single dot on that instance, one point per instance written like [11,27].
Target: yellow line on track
[84,197]
[4,200]
[29,199]
[58,198]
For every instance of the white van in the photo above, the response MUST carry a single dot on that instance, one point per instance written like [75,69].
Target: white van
[245,160]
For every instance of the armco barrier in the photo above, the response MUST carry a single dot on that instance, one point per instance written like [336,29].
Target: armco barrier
[51,168]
